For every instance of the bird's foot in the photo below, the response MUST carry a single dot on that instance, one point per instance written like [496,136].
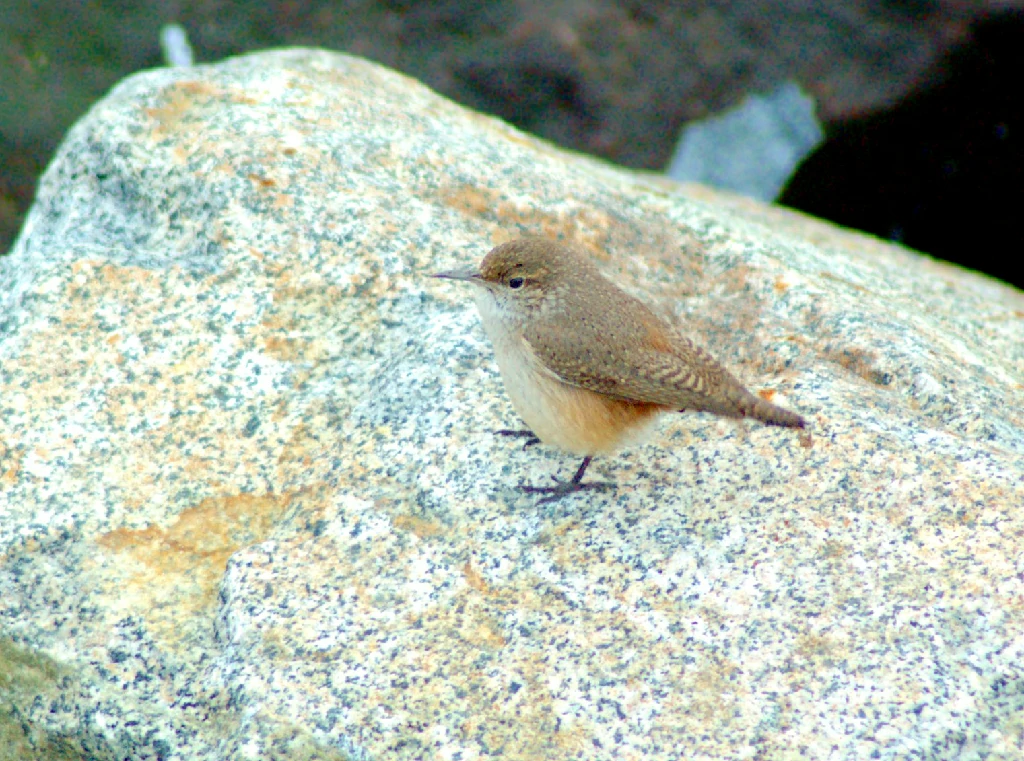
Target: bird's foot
[565,488]
[530,436]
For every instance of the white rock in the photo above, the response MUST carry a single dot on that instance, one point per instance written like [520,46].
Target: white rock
[251,504]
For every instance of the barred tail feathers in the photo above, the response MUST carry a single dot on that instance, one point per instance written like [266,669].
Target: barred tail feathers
[752,406]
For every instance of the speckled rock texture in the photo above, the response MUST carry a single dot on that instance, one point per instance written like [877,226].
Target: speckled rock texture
[252,505]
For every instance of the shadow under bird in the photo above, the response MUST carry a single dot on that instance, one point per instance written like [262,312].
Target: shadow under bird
[588,366]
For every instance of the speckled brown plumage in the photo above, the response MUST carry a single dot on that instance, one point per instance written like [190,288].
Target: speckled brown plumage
[588,366]
[618,346]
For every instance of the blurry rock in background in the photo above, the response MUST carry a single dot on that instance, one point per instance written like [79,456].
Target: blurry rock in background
[751,149]
[615,78]
[174,43]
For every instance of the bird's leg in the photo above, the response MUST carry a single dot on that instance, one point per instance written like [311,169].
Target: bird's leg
[530,436]
[564,488]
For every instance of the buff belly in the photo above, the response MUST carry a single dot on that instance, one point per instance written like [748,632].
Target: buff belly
[577,420]
[566,416]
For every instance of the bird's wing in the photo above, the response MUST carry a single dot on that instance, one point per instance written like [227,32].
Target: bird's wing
[642,360]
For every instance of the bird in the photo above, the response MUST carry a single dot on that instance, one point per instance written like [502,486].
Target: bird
[588,366]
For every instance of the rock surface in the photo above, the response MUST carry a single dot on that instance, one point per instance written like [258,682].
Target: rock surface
[251,505]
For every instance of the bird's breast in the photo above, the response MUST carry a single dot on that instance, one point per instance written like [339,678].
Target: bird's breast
[559,414]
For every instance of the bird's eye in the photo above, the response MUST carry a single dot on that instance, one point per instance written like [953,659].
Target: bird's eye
[516,282]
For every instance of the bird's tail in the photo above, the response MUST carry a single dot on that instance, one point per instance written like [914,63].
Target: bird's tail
[755,407]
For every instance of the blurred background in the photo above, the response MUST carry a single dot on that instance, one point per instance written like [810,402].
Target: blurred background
[919,101]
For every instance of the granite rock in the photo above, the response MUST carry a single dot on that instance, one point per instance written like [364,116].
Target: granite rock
[252,506]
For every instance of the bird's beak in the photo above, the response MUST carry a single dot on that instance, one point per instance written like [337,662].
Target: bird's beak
[470,275]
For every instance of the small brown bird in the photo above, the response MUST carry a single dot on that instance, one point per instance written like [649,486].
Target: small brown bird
[588,366]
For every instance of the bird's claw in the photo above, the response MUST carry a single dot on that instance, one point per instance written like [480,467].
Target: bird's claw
[530,436]
[563,489]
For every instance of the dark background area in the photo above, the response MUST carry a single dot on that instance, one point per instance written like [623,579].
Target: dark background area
[921,99]
[942,171]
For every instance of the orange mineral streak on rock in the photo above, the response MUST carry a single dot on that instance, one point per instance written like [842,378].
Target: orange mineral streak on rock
[170,575]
